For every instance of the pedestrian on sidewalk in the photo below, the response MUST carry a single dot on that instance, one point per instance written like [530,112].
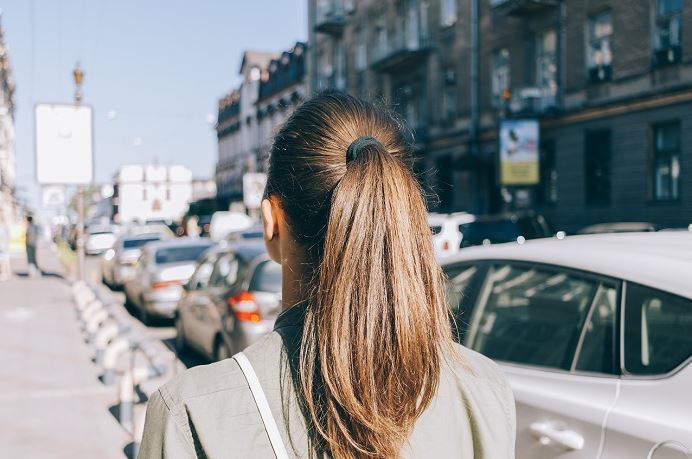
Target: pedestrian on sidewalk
[32,235]
[361,362]
[5,269]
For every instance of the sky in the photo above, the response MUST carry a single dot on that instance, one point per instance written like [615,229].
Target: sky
[154,70]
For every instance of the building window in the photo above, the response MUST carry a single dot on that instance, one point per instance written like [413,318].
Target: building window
[406,102]
[499,76]
[361,51]
[668,32]
[340,61]
[666,162]
[448,12]
[449,95]
[546,66]
[547,188]
[597,162]
[599,55]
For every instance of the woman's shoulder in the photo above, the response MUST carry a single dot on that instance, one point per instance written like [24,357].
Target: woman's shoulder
[476,365]
[218,378]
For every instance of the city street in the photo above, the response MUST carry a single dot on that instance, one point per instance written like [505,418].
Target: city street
[52,402]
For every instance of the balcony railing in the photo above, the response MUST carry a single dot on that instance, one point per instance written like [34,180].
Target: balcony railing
[533,101]
[521,7]
[402,50]
[331,17]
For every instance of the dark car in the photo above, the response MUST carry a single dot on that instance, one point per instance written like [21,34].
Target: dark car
[231,300]
[496,229]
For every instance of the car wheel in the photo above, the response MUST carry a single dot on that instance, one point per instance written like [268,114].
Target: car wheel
[180,344]
[222,351]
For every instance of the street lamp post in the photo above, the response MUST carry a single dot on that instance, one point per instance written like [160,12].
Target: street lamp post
[78,75]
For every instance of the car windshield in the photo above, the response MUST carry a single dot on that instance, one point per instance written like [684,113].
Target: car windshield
[267,278]
[136,243]
[179,254]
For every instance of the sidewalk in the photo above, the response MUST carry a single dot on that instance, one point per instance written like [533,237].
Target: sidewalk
[52,404]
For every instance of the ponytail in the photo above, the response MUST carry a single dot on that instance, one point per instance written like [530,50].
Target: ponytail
[377,323]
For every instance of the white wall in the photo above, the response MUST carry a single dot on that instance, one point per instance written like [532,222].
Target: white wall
[153,192]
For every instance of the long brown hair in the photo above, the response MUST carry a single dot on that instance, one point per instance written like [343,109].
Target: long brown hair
[376,322]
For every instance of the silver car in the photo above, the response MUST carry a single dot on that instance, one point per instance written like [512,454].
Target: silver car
[594,334]
[118,263]
[232,300]
[160,273]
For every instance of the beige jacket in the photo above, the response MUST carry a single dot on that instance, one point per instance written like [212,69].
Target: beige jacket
[208,411]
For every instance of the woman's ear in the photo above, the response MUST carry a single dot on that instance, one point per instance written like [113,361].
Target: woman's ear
[271,214]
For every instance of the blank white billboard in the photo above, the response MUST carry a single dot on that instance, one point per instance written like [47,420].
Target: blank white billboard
[64,144]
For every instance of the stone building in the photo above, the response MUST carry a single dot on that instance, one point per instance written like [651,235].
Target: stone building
[609,83]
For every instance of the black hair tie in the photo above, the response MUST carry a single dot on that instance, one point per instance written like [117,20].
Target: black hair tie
[357,146]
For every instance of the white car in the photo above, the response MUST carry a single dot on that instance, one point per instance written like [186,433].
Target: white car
[99,239]
[445,231]
[594,334]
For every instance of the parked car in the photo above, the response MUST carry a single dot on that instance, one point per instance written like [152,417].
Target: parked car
[160,272]
[225,224]
[496,229]
[99,238]
[619,227]
[118,263]
[594,337]
[445,231]
[231,300]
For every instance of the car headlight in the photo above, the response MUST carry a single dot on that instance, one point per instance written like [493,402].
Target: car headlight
[109,255]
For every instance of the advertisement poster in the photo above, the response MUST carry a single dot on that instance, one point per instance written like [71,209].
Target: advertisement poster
[519,152]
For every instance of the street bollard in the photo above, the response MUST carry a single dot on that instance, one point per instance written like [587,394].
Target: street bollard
[130,379]
[111,354]
[92,326]
[90,310]
[84,298]
[110,330]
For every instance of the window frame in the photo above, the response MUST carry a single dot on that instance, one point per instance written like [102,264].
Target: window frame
[600,279]
[593,71]
[449,13]
[658,50]
[624,374]
[670,153]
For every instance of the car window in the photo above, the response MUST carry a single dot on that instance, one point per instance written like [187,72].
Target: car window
[135,243]
[202,275]
[179,254]
[225,271]
[597,347]
[266,278]
[492,231]
[658,326]
[530,315]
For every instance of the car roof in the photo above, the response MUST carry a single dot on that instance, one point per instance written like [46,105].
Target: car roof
[659,260]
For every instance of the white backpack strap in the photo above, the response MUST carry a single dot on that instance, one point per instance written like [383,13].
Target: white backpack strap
[263,406]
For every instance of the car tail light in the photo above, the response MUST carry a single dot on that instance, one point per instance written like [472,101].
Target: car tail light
[166,284]
[244,307]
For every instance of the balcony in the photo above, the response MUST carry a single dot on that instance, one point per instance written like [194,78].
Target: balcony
[403,51]
[521,7]
[533,102]
[331,18]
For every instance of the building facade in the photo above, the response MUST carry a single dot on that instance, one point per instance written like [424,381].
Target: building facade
[609,82]
[281,90]
[151,192]
[237,128]
[9,210]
